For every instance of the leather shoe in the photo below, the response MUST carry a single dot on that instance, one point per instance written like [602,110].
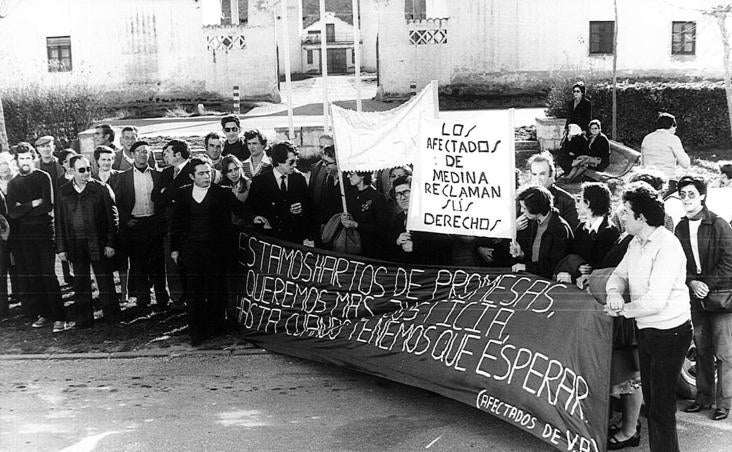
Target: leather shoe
[614,444]
[720,414]
[696,407]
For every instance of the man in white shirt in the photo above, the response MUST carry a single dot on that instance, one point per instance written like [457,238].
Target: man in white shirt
[662,149]
[653,271]
[142,227]
[258,161]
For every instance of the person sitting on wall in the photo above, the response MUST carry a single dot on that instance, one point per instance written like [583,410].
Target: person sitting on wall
[662,149]
[546,240]
[572,152]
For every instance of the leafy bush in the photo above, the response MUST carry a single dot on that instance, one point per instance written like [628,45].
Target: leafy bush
[700,109]
[61,111]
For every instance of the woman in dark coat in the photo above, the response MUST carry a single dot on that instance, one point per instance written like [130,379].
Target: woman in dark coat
[369,214]
[579,109]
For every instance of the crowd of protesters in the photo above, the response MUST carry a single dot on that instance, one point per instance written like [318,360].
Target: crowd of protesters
[169,231]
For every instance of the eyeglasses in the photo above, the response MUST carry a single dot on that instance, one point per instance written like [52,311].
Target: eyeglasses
[402,194]
[231,129]
[687,194]
[576,91]
[329,162]
[84,169]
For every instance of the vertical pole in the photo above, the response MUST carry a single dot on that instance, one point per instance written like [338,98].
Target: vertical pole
[436,98]
[288,80]
[357,52]
[512,159]
[237,106]
[324,65]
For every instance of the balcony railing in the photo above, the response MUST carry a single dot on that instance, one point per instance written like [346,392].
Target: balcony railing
[337,38]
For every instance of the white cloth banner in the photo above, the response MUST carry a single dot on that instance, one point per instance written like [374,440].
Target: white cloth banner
[463,181]
[369,141]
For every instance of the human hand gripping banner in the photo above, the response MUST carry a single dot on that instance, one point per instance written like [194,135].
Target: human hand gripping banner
[463,181]
[531,352]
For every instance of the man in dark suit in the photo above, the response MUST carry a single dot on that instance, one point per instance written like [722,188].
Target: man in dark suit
[86,230]
[204,241]
[177,155]
[279,200]
[142,227]
[324,189]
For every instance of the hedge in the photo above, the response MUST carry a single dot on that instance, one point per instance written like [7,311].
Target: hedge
[700,109]
[60,111]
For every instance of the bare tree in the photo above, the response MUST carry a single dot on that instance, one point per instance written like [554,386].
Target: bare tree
[615,73]
[721,12]
[3,132]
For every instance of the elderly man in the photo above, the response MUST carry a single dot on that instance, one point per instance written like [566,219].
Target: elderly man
[142,227]
[542,170]
[123,158]
[204,240]
[86,230]
[653,272]
[278,199]
[30,207]
[662,150]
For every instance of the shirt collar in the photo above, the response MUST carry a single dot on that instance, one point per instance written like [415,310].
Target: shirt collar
[197,189]
[546,218]
[278,175]
[146,170]
[595,226]
[77,187]
[652,237]
[182,164]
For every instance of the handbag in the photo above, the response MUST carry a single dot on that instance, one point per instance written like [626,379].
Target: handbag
[718,301]
[341,239]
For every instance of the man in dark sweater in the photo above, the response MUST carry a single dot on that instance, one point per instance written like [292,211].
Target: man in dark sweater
[30,203]
[234,144]
[204,242]
[48,162]
[86,228]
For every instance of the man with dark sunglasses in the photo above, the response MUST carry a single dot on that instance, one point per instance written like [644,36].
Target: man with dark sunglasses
[86,230]
[234,144]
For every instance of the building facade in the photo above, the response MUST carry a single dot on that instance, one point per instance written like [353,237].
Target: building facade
[508,44]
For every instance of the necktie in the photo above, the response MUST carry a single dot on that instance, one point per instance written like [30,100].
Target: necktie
[176,171]
[283,184]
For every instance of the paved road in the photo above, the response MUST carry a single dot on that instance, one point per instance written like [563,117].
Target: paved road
[258,402]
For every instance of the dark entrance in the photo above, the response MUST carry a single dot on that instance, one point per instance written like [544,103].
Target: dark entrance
[337,61]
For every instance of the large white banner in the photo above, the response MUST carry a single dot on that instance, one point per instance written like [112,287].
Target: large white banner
[369,141]
[463,181]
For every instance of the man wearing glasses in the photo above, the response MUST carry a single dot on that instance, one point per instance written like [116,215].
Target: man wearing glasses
[421,248]
[278,199]
[234,144]
[86,228]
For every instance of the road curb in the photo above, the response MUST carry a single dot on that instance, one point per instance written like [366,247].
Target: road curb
[136,354]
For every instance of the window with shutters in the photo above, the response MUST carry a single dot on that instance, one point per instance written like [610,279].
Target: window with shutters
[59,53]
[601,37]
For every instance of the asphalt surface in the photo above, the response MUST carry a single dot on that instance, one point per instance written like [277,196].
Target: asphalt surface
[251,401]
